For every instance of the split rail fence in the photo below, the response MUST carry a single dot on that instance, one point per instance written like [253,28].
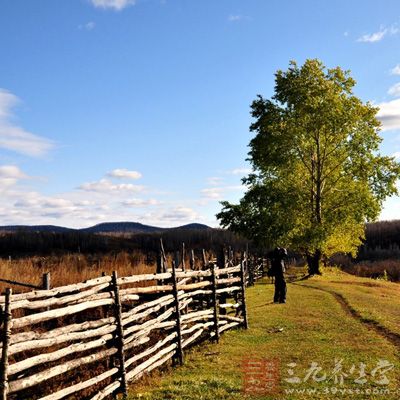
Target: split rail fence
[89,340]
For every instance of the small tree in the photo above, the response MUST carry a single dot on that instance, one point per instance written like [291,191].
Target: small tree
[318,175]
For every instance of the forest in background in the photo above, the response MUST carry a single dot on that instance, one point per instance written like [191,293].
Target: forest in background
[378,257]
[28,243]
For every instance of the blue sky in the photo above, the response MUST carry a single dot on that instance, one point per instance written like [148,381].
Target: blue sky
[116,110]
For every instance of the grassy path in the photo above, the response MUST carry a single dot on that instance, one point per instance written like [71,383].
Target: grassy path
[313,327]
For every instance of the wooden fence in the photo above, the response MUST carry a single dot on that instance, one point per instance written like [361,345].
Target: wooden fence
[89,340]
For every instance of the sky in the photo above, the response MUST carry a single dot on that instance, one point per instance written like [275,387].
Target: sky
[139,110]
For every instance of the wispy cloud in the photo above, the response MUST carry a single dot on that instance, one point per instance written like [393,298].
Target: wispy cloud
[237,17]
[113,4]
[140,202]
[240,171]
[218,193]
[91,203]
[106,186]
[395,90]
[88,26]
[11,171]
[389,115]
[122,173]
[10,175]
[379,35]
[180,215]
[373,37]
[214,180]
[15,138]
[395,70]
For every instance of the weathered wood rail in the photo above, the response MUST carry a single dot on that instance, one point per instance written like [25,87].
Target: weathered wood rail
[90,340]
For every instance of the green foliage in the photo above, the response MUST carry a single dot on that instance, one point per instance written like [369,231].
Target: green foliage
[318,174]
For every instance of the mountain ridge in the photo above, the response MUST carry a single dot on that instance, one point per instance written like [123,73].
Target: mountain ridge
[104,227]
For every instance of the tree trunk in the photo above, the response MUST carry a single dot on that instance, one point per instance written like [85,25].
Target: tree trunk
[313,261]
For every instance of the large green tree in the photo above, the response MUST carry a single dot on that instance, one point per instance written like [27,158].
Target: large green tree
[317,175]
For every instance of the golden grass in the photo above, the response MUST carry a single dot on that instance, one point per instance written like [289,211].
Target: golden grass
[71,268]
[375,300]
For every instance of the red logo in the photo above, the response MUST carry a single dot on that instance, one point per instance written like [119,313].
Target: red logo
[260,376]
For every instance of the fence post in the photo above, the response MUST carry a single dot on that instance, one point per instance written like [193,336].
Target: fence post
[177,255]
[215,301]
[183,257]
[250,267]
[243,294]
[5,340]
[221,263]
[221,258]
[120,335]
[179,352]
[230,255]
[192,260]
[205,262]
[46,281]
[163,256]
[160,264]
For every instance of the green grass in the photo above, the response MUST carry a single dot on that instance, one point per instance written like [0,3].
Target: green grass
[316,328]
[374,300]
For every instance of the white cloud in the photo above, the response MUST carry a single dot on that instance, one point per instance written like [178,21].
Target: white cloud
[237,17]
[214,180]
[106,186]
[15,138]
[91,203]
[11,171]
[218,193]
[140,202]
[240,171]
[395,70]
[389,115]
[234,18]
[88,26]
[10,175]
[57,203]
[395,90]
[180,215]
[396,155]
[213,193]
[122,173]
[373,37]
[113,4]
[379,35]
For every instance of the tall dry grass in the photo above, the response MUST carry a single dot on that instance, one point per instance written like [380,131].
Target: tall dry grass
[72,268]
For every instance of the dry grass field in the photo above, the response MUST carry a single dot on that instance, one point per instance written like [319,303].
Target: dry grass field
[71,268]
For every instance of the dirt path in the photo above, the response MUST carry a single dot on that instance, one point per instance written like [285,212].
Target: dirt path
[392,337]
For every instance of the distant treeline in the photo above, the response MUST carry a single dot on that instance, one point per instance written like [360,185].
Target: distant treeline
[382,241]
[25,243]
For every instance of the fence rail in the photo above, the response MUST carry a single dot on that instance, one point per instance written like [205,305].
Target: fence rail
[97,336]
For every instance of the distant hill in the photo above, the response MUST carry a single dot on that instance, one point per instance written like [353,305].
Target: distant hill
[35,228]
[112,237]
[106,227]
[121,227]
